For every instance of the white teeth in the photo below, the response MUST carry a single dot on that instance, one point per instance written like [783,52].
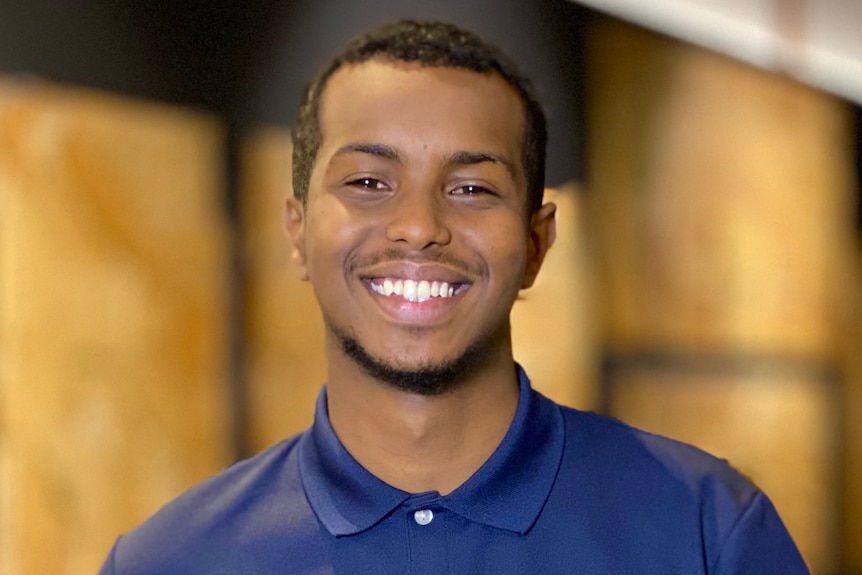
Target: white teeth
[412,290]
[423,290]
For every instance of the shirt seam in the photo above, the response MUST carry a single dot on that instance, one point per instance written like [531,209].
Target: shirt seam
[758,496]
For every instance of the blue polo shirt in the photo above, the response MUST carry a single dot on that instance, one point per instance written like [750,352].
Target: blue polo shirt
[565,492]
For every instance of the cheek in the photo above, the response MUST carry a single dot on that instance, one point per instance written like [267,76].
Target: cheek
[326,236]
[334,236]
[503,243]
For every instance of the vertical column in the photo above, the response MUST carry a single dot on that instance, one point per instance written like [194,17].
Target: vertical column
[721,208]
[286,363]
[552,322]
[6,493]
[112,320]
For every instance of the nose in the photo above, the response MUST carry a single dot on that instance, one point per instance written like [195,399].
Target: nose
[419,220]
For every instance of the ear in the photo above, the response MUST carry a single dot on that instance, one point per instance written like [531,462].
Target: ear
[542,233]
[294,223]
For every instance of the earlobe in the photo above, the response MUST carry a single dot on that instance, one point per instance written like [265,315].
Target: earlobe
[294,223]
[543,233]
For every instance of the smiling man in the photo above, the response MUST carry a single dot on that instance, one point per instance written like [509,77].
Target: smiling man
[417,218]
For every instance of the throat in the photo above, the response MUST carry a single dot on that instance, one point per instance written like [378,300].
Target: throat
[423,443]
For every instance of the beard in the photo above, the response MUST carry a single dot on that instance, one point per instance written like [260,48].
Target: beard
[427,378]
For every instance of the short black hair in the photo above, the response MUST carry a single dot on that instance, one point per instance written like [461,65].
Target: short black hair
[430,44]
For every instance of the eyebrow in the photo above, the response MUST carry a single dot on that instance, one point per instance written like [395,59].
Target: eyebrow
[464,158]
[378,150]
[459,158]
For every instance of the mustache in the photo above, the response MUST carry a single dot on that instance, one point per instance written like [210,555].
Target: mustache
[433,257]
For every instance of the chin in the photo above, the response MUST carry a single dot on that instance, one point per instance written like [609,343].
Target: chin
[428,377]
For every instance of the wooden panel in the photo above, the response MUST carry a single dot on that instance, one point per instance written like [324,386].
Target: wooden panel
[720,199]
[111,319]
[553,332]
[286,363]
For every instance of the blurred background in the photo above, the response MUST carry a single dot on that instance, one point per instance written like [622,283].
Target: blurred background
[706,284]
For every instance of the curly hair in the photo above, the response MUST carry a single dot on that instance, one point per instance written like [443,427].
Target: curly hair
[430,44]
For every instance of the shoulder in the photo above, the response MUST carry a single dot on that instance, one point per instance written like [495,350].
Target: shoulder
[639,486]
[614,447]
[661,504]
[652,480]
[180,537]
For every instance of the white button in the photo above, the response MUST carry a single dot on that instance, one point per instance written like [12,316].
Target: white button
[423,516]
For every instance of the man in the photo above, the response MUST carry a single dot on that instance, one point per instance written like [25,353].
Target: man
[417,218]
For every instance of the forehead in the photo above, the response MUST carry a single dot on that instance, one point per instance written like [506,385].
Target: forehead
[435,107]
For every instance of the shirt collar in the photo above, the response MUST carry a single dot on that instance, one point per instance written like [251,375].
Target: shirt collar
[507,492]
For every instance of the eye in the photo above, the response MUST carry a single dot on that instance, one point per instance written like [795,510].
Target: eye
[367,184]
[471,190]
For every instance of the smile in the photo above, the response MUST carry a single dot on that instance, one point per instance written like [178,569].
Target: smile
[415,291]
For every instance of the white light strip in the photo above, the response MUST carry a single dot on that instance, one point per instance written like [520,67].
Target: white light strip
[745,30]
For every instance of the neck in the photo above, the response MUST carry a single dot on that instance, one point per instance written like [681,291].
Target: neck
[420,443]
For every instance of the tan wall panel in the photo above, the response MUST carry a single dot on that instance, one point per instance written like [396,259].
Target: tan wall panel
[553,331]
[720,202]
[722,211]
[111,319]
[286,363]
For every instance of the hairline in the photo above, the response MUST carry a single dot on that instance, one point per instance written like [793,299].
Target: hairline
[487,60]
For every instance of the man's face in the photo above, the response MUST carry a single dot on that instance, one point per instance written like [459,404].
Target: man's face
[415,233]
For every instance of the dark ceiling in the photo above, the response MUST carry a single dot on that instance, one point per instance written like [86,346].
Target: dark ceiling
[186,52]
